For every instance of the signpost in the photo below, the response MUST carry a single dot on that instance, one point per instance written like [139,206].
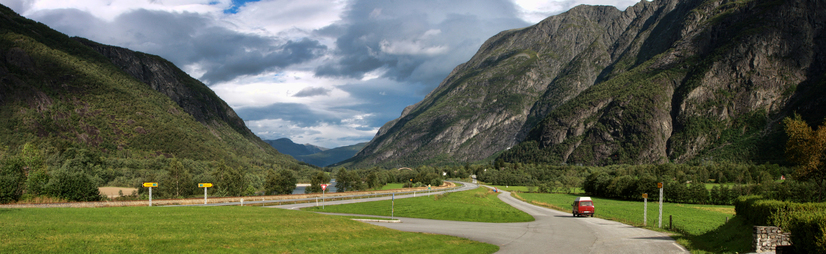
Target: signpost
[392,205]
[205,186]
[645,209]
[323,188]
[150,185]
[660,186]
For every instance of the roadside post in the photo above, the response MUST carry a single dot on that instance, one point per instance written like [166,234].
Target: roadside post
[392,205]
[660,186]
[323,188]
[428,189]
[150,185]
[645,209]
[205,186]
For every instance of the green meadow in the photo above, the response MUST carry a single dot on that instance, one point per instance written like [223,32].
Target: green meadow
[229,229]
[479,205]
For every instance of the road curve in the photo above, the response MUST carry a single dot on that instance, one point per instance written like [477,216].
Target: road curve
[552,232]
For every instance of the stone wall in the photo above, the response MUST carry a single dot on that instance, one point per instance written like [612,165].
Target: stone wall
[766,238]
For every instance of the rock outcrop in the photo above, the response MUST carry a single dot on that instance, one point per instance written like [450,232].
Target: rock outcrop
[663,80]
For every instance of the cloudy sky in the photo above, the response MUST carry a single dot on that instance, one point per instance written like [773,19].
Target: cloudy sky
[325,72]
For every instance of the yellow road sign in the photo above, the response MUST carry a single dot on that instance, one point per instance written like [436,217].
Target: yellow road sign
[659,185]
[645,195]
[150,184]
[204,185]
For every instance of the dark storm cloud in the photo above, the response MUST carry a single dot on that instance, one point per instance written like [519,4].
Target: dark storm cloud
[416,41]
[300,114]
[312,91]
[188,38]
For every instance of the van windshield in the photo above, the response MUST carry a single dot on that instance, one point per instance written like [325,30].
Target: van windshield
[585,203]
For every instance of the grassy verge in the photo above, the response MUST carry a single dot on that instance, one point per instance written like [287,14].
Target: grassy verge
[392,186]
[700,228]
[480,205]
[209,229]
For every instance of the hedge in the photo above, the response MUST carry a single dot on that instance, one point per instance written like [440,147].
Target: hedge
[805,221]
[809,232]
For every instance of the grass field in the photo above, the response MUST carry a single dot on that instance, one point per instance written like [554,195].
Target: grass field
[391,186]
[209,229]
[480,205]
[701,228]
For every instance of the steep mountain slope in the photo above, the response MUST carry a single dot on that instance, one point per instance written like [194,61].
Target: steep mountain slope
[665,80]
[60,93]
[288,147]
[331,156]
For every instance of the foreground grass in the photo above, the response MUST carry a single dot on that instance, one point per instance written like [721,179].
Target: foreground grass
[479,205]
[209,229]
[701,228]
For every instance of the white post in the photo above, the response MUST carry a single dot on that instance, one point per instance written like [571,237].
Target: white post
[205,195]
[150,196]
[322,198]
[393,206]
[316,201]
[645,212]
[242,202]
[660,225]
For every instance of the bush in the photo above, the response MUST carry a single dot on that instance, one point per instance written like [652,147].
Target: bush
[36,184]
[11,180]
[280,182]
[436,182]
[73,186]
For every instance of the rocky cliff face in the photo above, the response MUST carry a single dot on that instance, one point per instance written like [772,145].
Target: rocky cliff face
[162,76]
[662,80]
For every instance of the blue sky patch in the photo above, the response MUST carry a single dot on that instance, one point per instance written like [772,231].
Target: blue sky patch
[237,4]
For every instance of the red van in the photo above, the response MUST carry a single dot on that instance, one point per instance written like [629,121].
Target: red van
[583,206]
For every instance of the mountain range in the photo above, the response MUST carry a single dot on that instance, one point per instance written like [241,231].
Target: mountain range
[662,81]
[61,93]
[315,155]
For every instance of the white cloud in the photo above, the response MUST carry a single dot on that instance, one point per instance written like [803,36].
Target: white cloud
[109,9]
[410,48]
[533,11]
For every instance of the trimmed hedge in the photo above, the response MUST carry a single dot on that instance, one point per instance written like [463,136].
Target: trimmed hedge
[809,232]
[806,221]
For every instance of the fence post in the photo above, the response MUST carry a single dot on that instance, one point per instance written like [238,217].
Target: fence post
[670,223]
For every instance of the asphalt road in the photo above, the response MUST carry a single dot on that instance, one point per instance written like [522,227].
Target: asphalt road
[552,232]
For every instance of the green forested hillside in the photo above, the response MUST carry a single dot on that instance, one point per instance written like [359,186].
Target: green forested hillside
[70,103]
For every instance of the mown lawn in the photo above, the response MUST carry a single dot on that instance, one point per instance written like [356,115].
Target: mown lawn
[209,229]
[701,228]
[480,205]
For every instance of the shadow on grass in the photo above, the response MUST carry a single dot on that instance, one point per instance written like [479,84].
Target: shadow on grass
[733,237]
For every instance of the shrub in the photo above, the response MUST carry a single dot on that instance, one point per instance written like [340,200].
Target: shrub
[11,180]
[37,181]
[436,182]
[73,186]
